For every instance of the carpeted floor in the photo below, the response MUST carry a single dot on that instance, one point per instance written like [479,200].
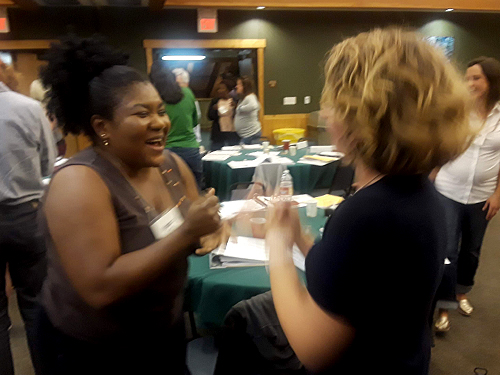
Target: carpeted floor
[475,341]
[472,341]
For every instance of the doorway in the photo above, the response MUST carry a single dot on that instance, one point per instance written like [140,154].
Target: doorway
[236,57]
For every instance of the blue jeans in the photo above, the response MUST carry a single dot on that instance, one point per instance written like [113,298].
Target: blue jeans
[251,140]
[466,226]
[22,247]
[192,158]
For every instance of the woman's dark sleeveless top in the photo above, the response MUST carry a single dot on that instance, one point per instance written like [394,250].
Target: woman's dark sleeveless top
[158,306]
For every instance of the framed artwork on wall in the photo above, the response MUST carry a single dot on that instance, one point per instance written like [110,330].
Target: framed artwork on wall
[445,43]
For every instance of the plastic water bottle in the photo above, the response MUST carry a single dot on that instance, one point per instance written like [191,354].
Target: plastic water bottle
[286,186]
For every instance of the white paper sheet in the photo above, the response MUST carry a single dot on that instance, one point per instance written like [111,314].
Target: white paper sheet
[231,148]
[248,251]
[318,149]
[226,152]
[319,163]
[247,163]
[301,145]
[281,160]
[252,147]
[261,153]
[302,198]
[332,154]
[230,209]
[216,157]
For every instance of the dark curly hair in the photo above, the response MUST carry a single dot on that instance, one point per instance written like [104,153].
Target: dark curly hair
[491,69]
[165,83]
[228,83]
[86,77]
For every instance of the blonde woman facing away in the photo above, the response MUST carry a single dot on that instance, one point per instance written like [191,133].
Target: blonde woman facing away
[397,109]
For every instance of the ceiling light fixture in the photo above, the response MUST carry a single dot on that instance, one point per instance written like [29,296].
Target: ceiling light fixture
[260,8]
[449,10]
[183,58]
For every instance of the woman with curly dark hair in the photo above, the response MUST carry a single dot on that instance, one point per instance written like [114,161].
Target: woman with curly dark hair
[221,112]
[120,219]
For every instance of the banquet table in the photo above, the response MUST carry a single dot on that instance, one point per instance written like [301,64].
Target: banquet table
[306,177]
[210,293]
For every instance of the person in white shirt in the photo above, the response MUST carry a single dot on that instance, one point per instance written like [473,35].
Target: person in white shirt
[246,119]
[27,155]
[470,189]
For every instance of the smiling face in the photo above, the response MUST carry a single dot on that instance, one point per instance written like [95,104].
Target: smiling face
[138,131]
[477,82]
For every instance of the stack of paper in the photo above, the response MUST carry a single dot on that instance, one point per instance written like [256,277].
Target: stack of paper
[332,154]
[317,160]
[281,160]
[231,148]
[215,157]
[230,209]
[247,251]
[328,200]
[318,149]
[302,199]
[252,147]
[247,163]
[301,145]
[220,155]
[261,153]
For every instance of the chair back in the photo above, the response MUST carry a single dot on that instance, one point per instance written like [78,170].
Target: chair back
[241,190]
[269,176]
[342,181]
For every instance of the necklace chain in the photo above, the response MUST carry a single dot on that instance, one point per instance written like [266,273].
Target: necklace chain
[378,176]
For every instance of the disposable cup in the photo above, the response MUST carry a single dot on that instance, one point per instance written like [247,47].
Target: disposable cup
[312,208]
[258,227]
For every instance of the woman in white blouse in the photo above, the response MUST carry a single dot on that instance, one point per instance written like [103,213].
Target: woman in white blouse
[246,119]
[470,189]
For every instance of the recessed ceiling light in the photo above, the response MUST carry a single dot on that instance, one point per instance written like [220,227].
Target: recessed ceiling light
[183,58]
[449,10]
[260,8]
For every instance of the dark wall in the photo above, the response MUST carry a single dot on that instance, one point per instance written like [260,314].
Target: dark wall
[297,41]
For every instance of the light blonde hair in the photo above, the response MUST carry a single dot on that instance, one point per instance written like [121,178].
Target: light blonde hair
[404,106]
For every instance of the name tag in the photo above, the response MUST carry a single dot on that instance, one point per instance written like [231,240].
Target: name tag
[167,223]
